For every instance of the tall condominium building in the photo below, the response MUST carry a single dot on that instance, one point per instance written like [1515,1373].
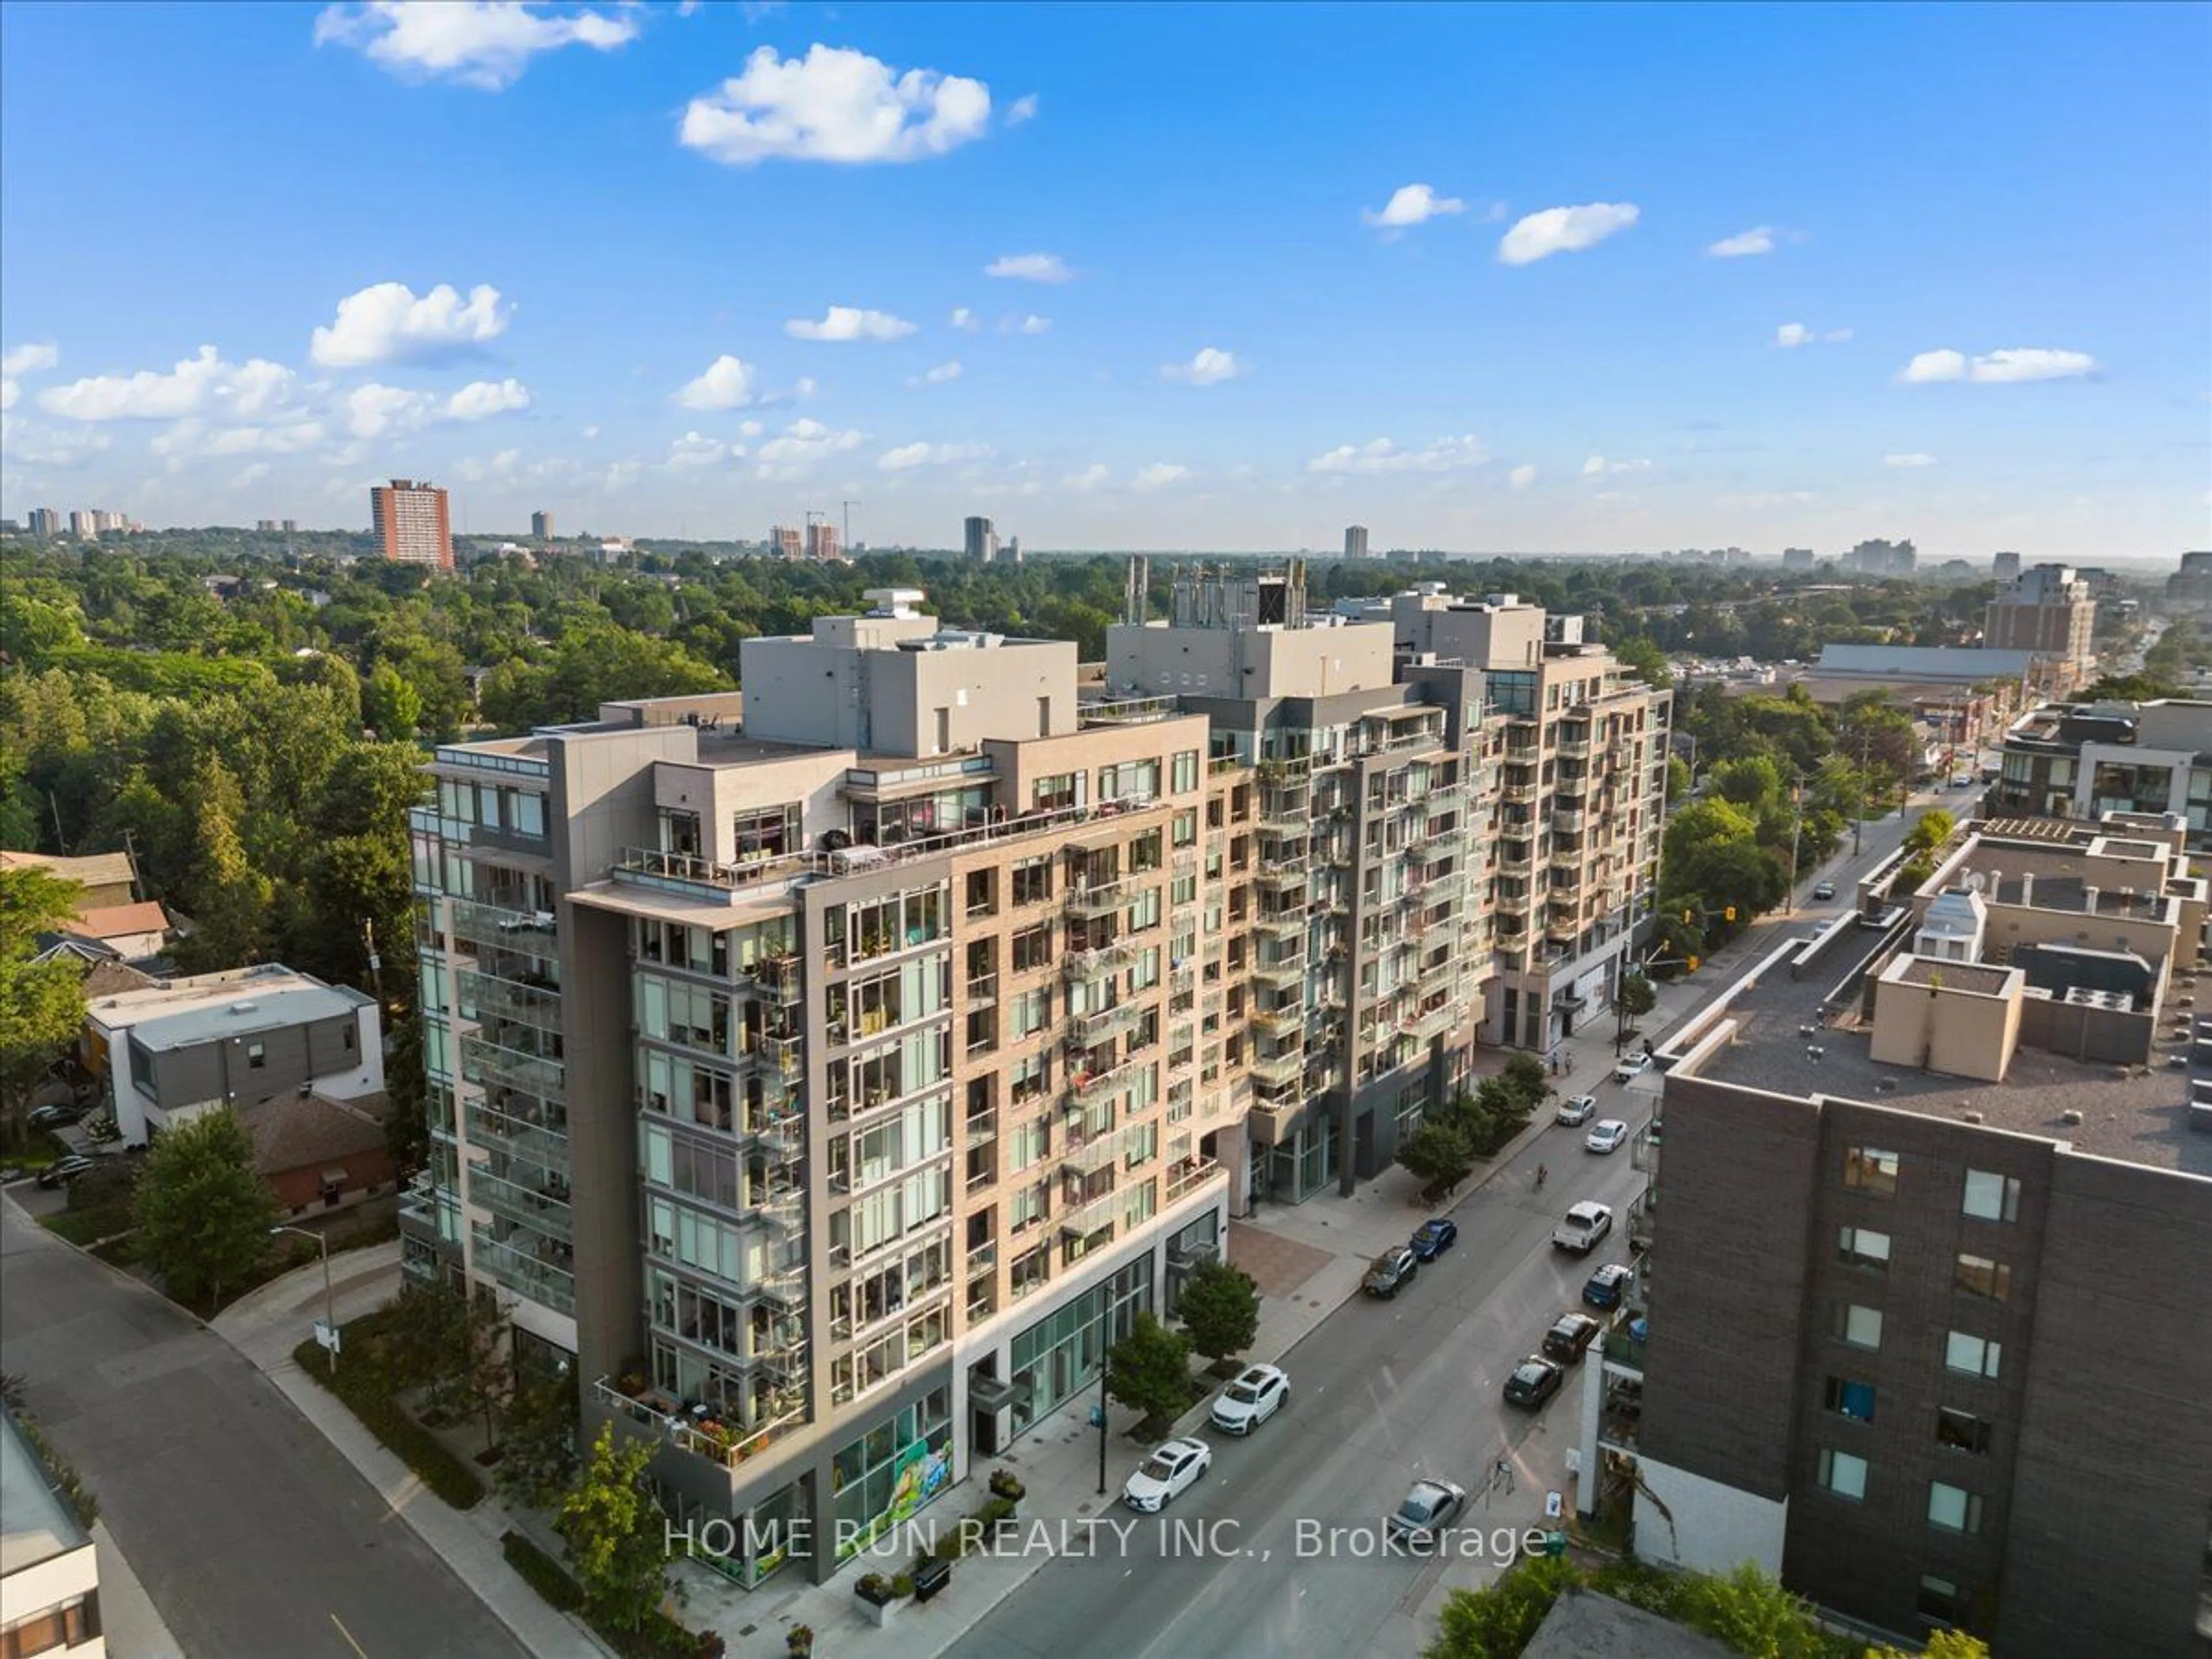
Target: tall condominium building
[785,542]
[1928,1333]
[411,522]
[2188,589]
[1355,541]
[2005,566]
[1371,945]
[84,524]
[1797,558]
[822,540]
[266,526]
[1882,558]
[835,1087]
[541,526]
[45,521]
[982,539]
[2047,610]
[1582,745]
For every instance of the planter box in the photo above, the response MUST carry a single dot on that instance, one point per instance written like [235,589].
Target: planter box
[880,1613]
[930,1577]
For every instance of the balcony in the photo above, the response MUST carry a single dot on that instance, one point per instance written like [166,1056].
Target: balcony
[539,1273]
[1575,748]
[1081,1220]
[1290,923]
[1568,821]
[521,1001]
[777,979]
[1088,1090]
[1286,1021]
[701,1435]
[1284,971]
[1287,817]
[783,1056]
[1088,1030]
[1278,1068]
[532,931]
[487,1063]
[1519,794]
[541,1208]
[1088,964]
[1188,1177]
[1099,899]
[1085,1153]
[1621,1416]
[1282,879]
[982,1126]
[1434,1023]
[534,1132]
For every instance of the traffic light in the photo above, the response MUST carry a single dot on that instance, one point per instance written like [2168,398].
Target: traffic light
[1730,913]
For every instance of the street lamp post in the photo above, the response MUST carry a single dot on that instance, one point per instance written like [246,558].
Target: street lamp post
[1105,1307]
[329,1307]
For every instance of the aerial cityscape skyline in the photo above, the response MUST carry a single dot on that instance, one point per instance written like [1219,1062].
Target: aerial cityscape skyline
[1488,324]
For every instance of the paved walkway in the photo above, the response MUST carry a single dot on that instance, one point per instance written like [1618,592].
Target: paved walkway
[128,1618]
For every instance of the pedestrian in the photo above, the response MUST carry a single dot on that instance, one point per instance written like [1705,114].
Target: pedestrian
[1505,1477]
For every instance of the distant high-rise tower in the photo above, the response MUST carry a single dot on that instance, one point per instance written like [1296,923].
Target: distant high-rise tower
[982,540]
[291,526]
[1796,558]
[1014,549]
[822,540]
[541,526]
[84,525]
[412,523]
[784,542]
[1355,541]
[45,521]
[2005,566]
[266,526]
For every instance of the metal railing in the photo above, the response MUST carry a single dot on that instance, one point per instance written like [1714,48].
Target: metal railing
[1099,899]
[1088,1030]
[1189,1175]
[1101,1086]
[1088,964]
[524,1272]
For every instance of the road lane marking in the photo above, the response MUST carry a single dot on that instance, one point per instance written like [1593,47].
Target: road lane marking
[348,1634]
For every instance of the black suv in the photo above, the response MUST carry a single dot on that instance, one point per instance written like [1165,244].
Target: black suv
[1391,1272]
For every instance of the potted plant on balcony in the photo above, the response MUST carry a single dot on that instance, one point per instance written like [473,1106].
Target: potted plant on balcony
[631,1379]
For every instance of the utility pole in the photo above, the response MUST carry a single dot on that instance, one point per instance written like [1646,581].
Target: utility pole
[375,968]
[1796,834]
[1105,1305]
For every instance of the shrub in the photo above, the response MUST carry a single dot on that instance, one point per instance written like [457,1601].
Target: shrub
[542,1572]
[361,1386]
[1004,1485]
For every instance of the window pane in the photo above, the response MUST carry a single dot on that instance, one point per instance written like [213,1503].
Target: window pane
[1867,1170]
[1946,1506]
[1991,1197]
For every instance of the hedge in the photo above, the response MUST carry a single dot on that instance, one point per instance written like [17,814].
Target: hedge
[363,1394]
[542,1572]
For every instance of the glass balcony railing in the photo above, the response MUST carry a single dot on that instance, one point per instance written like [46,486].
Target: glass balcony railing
[1089,1030]
[1188,1177]
[488,1064]
[542,1209]
[537,1269]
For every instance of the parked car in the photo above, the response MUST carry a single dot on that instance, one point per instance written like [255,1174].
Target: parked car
[1824,891]
[1566,1340]
[1434,1236]
[1258,1393]
[1630,1068]
[62,1171]
[1428,1507]
[1170,1471]
[1585,1223]
[1391,1272]
[1607,1136]
[1607,1286]
[1575,1108]
[1534,1380]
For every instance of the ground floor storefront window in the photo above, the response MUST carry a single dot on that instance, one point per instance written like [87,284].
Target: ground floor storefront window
[894,1469]
[1062,1353]
[748,1546]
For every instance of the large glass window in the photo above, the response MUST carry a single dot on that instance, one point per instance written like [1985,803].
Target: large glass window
[1842,1473]
[1860,1327]
[1869,1170]
[1991,1197]
[1976,1356]
[1953,1509]
[901,1464]
[1060,1356]
[1861,1247]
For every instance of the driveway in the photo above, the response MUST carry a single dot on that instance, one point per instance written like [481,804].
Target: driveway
[252,1535]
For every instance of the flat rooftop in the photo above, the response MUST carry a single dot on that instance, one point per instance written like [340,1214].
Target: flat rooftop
[2059,879]
[2137,1120]
[179,995]
[36,1524]
[245,1011]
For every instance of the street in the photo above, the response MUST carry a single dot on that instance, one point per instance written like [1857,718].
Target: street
[1381,1392]
[251,1532]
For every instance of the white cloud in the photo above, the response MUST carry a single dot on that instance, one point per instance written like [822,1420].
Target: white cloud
[1031,268]
[1381,455]
[621,475]
[1521,477]
[373,409]
[1914,459]
[203,384]
[694,450]
[965,320]
[591,432]
[481,399]
[8,393]
[1411,205]
[1597,466]
[476,43]
[940,374]
[502,465]
[30,357]
[2009,367]
[192,436]
[246,477]
[906,457]
[1759,240]
[849,323]
[727,384]
[1564,230]
[386,323]
[1023,108]
[749,429]
[1093,476]
[803,443]
[1032,324]
[1159,474]
[834,104]
[1796,334]
[1210,368]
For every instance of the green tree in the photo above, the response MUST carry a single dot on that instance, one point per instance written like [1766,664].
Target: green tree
[1500,1619]
[615,1531]
[229,898]
[390,705]
[41,1003]
[1437,1153]
[1941,1645]
[1149,1371]
[1750,1612]
[1525,1080]
[202,1212]
[538,1442]
[1221,1310]
[1678,782]
[1636,996]
[1752,781]
[1929,832]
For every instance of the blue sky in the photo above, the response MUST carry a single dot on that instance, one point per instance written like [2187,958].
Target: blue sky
[1969,299]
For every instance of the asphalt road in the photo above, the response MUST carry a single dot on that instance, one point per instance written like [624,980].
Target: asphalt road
[253,1536]
[1381,1392]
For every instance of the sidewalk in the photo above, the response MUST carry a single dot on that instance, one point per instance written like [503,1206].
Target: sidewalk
[132,1624]
[268,1324]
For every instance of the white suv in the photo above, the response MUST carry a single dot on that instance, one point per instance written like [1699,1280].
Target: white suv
[1584,1225]
[1258,1393]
